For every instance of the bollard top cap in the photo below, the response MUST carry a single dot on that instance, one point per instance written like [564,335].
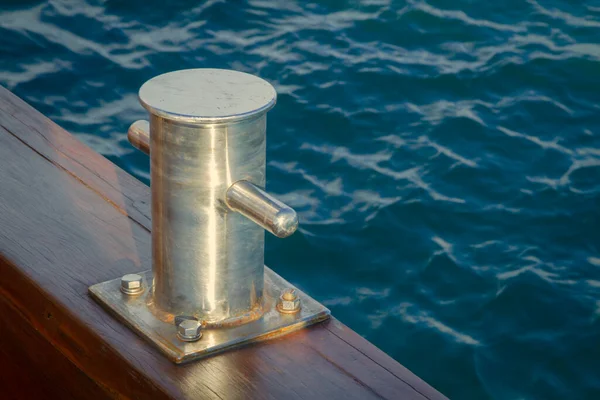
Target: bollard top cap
[207,95]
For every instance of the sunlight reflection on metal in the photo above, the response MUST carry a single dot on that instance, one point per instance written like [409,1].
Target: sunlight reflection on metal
[212,225]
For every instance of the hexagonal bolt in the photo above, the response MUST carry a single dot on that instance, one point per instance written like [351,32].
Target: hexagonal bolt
[288,302]
[189,330]
[132,284]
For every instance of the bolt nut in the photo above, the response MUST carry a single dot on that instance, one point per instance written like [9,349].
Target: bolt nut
[288,302]
[132,284]
[189,330]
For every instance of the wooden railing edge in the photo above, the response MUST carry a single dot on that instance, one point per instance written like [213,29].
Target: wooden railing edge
[130,198]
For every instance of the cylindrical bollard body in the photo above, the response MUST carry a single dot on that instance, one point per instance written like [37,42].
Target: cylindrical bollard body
[207,131]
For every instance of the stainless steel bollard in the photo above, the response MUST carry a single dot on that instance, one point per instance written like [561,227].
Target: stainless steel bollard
[207,139]
[207,143]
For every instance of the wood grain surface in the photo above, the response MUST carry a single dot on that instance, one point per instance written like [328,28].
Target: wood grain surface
[69,218]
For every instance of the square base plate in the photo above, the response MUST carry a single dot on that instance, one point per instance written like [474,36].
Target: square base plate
[132,310]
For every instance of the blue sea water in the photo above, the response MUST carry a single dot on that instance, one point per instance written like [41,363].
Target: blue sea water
[444,158]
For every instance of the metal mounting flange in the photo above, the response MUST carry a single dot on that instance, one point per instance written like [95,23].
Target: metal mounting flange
[134,312]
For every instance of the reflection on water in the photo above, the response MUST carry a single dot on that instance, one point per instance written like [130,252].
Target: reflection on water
[444,159]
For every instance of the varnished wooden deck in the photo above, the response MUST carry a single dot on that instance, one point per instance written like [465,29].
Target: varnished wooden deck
[69,218]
